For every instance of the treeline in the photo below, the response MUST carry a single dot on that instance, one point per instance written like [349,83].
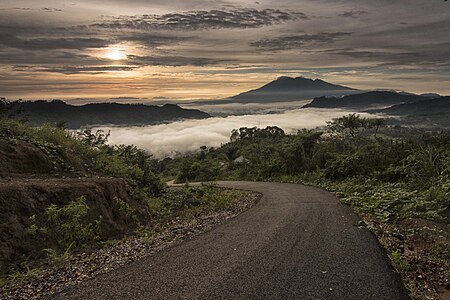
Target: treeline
[351,149]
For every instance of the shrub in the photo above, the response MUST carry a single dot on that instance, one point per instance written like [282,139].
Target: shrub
[69,223]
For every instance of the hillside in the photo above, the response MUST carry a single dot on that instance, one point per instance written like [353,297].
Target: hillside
[432,112]
[39,112]
[67,197]
[365,100]
[439,105]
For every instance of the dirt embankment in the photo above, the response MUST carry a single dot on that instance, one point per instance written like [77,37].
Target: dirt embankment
[32,178]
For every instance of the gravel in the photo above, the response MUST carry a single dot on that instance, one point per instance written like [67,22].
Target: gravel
[83,266]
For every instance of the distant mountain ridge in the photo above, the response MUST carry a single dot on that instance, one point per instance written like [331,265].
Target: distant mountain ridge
[429,112]
[365,100]
[56,111]
[437,106]
[285,89]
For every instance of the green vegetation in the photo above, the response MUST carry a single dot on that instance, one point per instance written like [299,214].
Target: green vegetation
[403,176]
[87,153]
[392,176]
[56,226]
[397,178]
[69,224]
[188,202]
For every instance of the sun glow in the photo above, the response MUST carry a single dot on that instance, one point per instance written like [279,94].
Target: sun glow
[115,54]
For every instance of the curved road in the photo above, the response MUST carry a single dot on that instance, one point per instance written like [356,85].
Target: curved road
[298,242]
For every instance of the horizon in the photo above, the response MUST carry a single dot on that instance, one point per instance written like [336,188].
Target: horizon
[163,101]
[198,50]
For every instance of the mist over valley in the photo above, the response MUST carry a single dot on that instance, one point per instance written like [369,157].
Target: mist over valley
[185,136]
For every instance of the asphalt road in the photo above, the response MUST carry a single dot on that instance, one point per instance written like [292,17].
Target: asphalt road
[298,242]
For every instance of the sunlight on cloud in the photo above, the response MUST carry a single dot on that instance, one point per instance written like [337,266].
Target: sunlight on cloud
[189,135]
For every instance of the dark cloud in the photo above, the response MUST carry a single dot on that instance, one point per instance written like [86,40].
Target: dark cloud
[353,13]
[14,57]
[174,61]
[49,9]
[298,41]
[75,69]
[16,8]
[45,9]
[13,41]
[419,57]
[151,40]
[203,20]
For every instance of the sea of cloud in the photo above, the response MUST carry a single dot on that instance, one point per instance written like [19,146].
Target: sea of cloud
[246,108]
[189,135]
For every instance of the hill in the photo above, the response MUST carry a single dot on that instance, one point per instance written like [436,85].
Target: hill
[365,100]
[430,112]
[56,111]
[439,105]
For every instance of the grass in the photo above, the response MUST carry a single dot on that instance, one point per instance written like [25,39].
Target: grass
[22,275]
[188,202]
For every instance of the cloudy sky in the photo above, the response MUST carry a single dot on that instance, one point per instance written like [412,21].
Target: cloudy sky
[195,49]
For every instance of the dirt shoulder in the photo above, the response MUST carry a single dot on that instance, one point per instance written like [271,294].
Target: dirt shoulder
[146,241]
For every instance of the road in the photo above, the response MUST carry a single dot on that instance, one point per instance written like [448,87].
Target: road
[298,242]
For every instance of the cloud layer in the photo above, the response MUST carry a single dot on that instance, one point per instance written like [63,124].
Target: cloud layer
[299,41]
[203,20]
[187,136]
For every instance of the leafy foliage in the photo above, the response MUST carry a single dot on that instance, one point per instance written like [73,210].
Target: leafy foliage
[88,152]
[395,177]
[384,171]
[68,222]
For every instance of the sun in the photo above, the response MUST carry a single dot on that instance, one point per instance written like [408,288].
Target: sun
[115,54]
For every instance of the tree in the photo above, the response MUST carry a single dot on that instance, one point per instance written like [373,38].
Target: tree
[350,124]
[8,108]
[377,124]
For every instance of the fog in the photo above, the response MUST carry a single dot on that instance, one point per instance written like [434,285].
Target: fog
[246,108]
[189,135]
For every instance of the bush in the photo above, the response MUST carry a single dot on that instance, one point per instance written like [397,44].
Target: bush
[69,223]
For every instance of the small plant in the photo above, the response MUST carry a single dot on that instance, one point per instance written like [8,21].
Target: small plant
[124,206]
[399,264]
[58,259]
[23,273]
[147,235]
[34,229]
[69,223]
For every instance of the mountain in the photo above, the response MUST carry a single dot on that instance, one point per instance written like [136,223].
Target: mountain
[290,89]
[286,89]
[431,112]
[39,112]
[365,100]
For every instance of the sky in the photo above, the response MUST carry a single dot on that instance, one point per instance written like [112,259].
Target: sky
[197,49]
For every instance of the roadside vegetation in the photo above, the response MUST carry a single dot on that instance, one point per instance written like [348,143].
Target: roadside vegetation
[396,178]
[76,194]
